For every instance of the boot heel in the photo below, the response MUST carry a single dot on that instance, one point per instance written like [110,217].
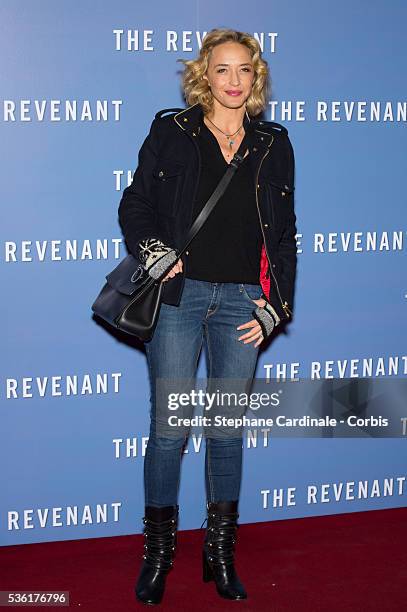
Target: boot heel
[207,574]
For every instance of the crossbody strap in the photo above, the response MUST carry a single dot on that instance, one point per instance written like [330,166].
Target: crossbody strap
[216,195]
[212,201]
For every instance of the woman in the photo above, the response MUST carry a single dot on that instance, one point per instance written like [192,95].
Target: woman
[231,288]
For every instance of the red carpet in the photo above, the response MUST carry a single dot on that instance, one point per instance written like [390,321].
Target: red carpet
[348,562]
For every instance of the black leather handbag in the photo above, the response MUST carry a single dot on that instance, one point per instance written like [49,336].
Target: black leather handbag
[130,299]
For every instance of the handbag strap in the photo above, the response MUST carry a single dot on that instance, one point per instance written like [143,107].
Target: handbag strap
[211,202]
[215,196]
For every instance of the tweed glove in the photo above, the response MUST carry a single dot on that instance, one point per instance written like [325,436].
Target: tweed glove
[155,256]
[266,317]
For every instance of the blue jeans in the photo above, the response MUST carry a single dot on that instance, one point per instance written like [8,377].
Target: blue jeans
[208,314]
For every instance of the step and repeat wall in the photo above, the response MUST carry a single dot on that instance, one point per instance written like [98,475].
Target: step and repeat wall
[80,85]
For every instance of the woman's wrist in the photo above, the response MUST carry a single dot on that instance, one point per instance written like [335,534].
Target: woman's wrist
[156,256]
[266,317]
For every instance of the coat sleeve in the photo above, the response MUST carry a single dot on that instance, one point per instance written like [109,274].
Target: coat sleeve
[288,245]
[137,213]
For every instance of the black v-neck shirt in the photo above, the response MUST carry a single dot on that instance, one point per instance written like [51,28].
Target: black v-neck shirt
[227,247]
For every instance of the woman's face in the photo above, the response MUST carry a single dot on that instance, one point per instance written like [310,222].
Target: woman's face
[230,74]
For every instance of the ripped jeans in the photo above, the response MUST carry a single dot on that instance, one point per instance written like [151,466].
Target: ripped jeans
[208,314]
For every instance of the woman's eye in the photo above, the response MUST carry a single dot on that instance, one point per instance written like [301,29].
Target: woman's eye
[245,69]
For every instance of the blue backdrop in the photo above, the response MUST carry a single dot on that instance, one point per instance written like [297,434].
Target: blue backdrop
[74,410]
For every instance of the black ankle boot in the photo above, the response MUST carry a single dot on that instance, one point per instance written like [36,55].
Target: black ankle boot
[160,537]
[218,551]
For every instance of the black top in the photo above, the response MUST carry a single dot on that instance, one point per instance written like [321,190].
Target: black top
[227,248]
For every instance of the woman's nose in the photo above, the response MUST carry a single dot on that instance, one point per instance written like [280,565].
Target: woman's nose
[234,79]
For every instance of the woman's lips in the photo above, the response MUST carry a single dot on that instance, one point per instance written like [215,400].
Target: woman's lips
[232,92]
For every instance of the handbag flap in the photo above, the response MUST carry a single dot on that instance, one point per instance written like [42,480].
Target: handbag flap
[128,277]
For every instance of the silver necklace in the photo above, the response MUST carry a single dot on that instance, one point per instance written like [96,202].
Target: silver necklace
[228,136]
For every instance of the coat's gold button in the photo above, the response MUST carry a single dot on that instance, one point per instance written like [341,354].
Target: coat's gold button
[185,119]
[161,173]
[266,225]
[258,185]
[283,193]
[186,252]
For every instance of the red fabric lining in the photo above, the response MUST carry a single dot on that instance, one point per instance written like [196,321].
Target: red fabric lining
[264,266]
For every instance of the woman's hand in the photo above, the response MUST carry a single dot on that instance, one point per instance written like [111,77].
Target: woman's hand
[255,329]
[174,270]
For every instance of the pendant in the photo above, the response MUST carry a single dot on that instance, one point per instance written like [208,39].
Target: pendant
[231,142]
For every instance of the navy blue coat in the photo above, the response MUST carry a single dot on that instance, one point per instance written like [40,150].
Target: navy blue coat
[158,203]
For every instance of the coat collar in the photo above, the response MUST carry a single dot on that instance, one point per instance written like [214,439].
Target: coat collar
[190,120]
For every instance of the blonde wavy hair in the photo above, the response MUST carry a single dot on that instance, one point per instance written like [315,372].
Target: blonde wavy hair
[196,89]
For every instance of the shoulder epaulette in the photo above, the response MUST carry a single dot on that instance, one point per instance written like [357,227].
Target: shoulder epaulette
[162,112]
[273,125]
